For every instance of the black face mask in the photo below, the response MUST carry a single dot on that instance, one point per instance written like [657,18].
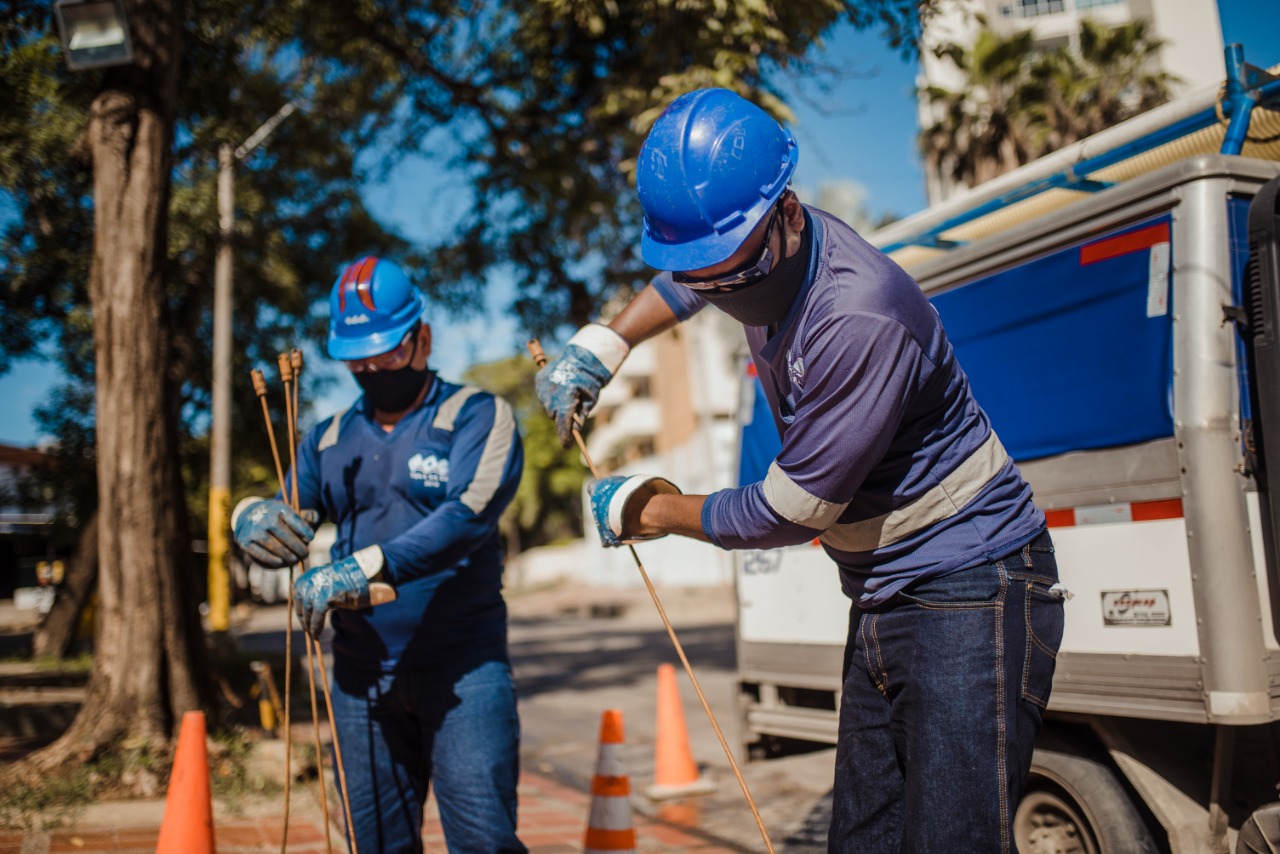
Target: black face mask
[767,301]
[394,391]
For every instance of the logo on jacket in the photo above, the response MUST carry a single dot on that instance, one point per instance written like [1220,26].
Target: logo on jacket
[431,471]
[795,370]
[356,319]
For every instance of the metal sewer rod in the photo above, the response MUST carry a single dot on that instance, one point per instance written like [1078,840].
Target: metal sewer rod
[290,365]
[540,359]
[260,389]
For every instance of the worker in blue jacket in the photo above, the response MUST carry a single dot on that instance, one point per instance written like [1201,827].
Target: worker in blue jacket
[886,458]
[414,475]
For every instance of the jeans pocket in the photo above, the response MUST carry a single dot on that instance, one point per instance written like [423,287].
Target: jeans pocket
[978,587]
[1044,622]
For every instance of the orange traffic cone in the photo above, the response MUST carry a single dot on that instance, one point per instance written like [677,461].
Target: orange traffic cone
[187,827]
[675,774]
[609,829]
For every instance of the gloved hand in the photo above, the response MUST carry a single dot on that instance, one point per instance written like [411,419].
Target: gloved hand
[344,584]
[570,384]
[616,503]
[272,533]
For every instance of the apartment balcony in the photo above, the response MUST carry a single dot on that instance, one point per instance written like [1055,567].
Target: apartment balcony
[626,431]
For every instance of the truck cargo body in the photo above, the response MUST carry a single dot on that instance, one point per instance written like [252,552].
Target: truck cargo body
[1125,408]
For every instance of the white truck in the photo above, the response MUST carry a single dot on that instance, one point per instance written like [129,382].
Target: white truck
[1136,275]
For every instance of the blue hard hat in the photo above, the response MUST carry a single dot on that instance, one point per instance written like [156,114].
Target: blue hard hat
[371,308]
[710,169]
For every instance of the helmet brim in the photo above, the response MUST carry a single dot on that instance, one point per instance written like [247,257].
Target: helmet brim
[704,251]
[349,347]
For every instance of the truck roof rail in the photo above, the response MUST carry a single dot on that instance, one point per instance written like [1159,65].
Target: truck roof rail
[1212,119]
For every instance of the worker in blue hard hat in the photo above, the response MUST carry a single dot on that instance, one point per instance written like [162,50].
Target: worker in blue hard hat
[886,458]
[414,475]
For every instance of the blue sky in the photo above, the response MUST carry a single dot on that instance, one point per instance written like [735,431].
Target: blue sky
[862,130]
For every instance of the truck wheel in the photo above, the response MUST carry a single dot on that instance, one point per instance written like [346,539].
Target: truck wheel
[1261,833]
[1074,804]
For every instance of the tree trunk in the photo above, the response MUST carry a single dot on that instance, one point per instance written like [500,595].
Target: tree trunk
[147,659]
[58,630]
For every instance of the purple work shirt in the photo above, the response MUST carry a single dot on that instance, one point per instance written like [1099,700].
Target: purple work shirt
[886,457]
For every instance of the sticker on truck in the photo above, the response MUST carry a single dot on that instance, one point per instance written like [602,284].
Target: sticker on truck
[1135,607]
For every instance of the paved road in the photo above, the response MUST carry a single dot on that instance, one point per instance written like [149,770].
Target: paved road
[578,652]
[571,666]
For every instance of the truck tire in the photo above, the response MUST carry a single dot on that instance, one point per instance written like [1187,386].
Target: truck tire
[1074,804]
[1261,832]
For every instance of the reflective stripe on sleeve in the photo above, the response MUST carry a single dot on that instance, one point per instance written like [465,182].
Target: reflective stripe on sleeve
[493,460]
[796,504]
[329,437]
[447,414]
[941,502]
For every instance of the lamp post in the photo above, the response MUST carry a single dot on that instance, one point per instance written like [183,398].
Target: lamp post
[220,428]
[94,33]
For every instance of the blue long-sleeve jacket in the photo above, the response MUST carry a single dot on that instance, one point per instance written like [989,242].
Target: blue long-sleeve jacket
[430,493]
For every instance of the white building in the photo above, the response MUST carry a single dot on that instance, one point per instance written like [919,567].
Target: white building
[670,411]
[1190,29]
[27,558]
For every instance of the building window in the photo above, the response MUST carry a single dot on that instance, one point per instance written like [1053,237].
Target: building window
[1033,8]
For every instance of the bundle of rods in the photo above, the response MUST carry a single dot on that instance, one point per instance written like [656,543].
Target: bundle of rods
[290,365]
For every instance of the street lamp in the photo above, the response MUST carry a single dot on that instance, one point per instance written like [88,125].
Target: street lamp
[220,429]
[94,33]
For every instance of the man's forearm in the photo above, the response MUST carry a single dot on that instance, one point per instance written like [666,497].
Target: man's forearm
[672,514]
[438,541]
[644,317]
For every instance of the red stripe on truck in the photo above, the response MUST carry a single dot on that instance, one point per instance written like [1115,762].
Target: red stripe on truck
[1145,511]
[1060,518]
[1123,244]
[1139,511]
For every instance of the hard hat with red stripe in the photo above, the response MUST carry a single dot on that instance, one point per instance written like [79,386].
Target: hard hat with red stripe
[371,308]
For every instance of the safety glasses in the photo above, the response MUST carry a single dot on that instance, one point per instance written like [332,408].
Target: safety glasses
[392,360]
[761,268]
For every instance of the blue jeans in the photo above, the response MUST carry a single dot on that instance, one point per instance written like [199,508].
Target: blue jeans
[399,732]
[944,688]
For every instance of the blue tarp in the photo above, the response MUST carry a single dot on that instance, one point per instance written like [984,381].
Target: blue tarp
[1062,354]
[760,440]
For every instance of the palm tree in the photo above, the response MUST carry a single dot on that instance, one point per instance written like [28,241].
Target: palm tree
[1022,102]
[980,132]
[1108,79]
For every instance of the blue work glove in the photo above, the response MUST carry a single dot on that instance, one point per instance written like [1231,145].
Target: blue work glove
[616,503]
[344,584]
[272,533]
[570,384]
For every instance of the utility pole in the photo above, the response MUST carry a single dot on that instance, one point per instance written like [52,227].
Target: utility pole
[220,428]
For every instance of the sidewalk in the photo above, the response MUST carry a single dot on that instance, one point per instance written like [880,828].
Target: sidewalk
[552,821]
